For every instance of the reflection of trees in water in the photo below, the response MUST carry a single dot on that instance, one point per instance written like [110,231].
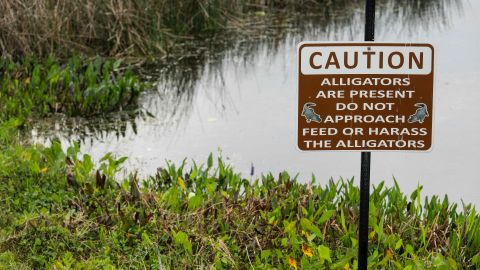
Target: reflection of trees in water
[202,61]
[416,16]
[86,129]
[174,95]
[332,20]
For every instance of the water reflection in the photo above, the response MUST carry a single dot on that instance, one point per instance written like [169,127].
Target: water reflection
[179,74]
[87,130]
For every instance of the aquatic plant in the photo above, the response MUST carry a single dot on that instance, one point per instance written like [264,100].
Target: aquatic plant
[63,210]
[76,87]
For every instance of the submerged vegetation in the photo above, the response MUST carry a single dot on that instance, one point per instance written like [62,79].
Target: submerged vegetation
[61,210]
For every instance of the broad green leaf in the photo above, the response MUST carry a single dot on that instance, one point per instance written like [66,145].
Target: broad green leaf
[398,244]
[326,216]
[210,161]
[181,239]
[324,253]
[195,202]
[309,226]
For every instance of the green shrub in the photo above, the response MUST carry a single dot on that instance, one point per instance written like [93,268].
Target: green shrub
[62,210]
[78,87]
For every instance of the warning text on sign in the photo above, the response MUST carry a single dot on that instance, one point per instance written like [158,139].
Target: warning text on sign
[365,97]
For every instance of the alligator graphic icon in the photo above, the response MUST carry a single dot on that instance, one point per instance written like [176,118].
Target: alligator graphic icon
[420,114]
[310,114]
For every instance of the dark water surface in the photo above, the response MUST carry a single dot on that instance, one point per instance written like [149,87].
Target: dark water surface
[238,93]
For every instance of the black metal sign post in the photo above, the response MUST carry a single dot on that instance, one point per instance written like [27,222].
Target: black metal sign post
[365,166]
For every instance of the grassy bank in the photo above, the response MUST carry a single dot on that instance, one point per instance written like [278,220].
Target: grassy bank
[60,210]
[151,27]
[110,28]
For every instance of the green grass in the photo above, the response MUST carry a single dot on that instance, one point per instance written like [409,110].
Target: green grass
[74,87]
[61,210]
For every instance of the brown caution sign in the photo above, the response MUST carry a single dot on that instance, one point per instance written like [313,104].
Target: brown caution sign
[365,96]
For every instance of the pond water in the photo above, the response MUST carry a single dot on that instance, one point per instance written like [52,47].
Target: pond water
[237,97]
